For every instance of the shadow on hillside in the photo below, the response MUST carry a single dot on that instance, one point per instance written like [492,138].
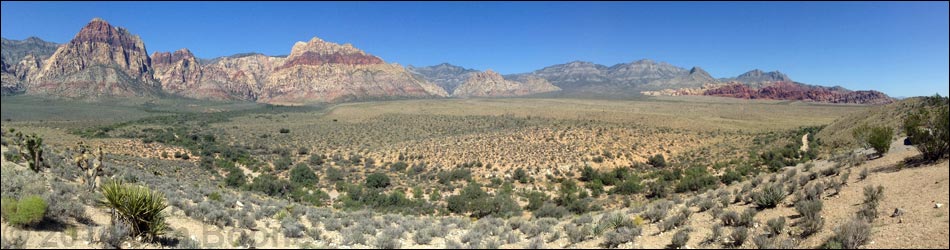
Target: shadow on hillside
[909,162]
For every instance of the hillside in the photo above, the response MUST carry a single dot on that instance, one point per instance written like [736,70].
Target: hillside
[838,134]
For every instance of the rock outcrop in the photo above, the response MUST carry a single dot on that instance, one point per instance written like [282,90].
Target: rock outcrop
[319,71]
[179,72]
[101,60]
[800,92]
[237,77]
[492,84]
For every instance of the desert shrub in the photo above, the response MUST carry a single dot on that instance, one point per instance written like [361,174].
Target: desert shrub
[64,202]
[284,130]
[423,237]
[576,233]
[612,221]
[657,161]
[852,234]
[729,218]
[775,226]
[872,197]
[812,192]
[245,240]
[658,189]
[283,163]
[863,174]
[715,211]
[706,204]
[377,180]
[551,210]
[352,236]
[928,131]
[387,241]
[137,206]
[26,212]
[302,175]
[747,218]
[536,243]
[770,196]
[316,159]
[480,204]
[291,228]
[629,186]
[218,217]
[810,211]
[738,236]
[730,176]
[619,236]
[880,139]
[833,170]
[235,178]
[270,185]
[17,183]
[113,236]
[714,235]
[724,200]
[674,221]
[696,179]
[765,242]
[657,212]
[520,175]
[247,221]
[530,229]
[679,239]
[536,200]
[315,233]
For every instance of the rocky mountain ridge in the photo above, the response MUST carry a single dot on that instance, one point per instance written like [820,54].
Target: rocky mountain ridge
[103,60]
[492,84]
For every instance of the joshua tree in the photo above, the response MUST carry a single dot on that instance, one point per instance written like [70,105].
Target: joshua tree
[31,149]
[90,164]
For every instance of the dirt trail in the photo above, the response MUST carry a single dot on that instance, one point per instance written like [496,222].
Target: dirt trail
[804,143]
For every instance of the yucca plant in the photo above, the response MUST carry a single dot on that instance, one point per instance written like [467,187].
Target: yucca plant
[137,206]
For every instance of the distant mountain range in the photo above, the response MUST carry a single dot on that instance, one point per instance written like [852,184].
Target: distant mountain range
[107,61]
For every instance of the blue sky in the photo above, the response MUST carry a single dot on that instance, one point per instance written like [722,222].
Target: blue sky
[895,47]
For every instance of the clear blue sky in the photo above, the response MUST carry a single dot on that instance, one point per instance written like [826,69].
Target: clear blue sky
[898,48]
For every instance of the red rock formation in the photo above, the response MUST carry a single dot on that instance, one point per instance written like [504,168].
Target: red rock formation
[100,31]
[799,92]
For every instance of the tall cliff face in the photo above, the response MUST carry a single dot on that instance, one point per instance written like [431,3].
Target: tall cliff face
[491,84]
[101,60]
[319,71]
[179,72]
[238,77]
